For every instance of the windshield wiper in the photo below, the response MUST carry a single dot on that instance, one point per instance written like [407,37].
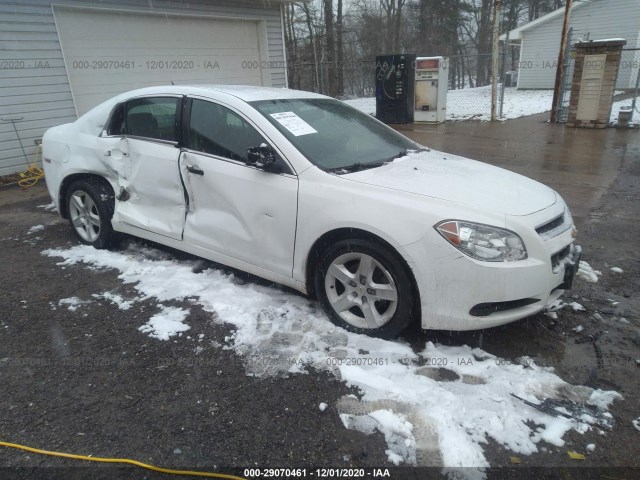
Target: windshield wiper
[355,167]
[400,154]
[359,166]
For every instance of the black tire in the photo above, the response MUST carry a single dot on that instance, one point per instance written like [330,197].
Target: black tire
[386,264]
[98,207]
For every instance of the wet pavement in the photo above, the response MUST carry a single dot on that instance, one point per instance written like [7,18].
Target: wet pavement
[581,164]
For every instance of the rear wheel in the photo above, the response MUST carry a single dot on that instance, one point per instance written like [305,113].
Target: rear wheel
[90,206]
[364,287]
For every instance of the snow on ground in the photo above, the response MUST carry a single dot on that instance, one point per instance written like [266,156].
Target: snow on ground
[615,110]
[475,103]
[554,307]
[49,207]
[366,105]
[115,299]
[576,307]
[72,303]
[435,407]
[35,228]
[166,324]
[616,270]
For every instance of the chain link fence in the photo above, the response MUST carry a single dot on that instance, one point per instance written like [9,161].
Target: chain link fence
[629,76]
[468,83]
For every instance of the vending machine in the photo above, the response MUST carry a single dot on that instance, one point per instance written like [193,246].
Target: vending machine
[431,90]
[395,81]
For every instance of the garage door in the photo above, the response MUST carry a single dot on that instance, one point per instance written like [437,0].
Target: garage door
[107,52]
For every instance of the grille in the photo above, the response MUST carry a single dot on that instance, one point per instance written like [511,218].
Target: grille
[550,226]
[557,257]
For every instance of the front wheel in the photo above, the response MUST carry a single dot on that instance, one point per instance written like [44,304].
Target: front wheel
[364,287]
[90,208]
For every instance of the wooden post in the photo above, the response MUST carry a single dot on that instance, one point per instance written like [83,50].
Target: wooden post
[560,66]
[495,59]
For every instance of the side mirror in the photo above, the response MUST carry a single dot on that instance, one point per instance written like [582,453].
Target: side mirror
[264,158]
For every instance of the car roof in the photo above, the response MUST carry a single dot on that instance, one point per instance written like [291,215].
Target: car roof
[247,93]
[94,120]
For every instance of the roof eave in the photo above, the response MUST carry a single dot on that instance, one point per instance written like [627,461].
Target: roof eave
[517,33]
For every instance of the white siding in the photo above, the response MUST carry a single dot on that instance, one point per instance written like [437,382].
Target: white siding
[598,19]
[38,98]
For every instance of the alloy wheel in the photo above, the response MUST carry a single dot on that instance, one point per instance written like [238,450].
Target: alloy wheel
[361,290]
[84,216]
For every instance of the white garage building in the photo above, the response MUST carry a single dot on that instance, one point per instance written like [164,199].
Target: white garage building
[539,40]
[59,59]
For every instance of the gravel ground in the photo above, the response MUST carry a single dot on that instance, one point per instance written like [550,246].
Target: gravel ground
[80,381]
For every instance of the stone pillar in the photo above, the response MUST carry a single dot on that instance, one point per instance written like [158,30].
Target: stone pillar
[594,82]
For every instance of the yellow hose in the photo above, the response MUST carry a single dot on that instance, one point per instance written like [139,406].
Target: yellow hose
[32,176]
[119,460]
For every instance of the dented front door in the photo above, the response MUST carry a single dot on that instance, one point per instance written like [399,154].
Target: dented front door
[241,212]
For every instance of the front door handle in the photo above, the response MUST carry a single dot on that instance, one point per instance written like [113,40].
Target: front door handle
[194,170]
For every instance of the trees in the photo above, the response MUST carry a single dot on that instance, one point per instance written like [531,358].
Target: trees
[327,39]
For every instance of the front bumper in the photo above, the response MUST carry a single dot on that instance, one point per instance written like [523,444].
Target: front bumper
[460,293]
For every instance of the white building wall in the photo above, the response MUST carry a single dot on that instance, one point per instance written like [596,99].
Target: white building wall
[39,98]
[597,19]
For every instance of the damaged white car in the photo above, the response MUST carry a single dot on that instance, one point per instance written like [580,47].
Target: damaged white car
[308,192]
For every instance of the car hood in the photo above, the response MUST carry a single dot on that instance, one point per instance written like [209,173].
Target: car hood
[460,180]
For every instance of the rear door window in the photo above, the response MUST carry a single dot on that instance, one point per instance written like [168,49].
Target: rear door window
[154,117]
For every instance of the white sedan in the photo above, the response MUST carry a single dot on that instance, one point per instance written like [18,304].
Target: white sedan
[303,190]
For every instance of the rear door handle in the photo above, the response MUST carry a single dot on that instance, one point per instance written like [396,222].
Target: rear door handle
[109,153]
[194,170]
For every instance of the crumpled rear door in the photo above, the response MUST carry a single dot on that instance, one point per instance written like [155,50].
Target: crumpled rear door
[150,194]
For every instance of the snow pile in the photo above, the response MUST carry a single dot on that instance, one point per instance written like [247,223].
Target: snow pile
[395,428]
[435,407]
[616,270]
[587,273]
[167,323]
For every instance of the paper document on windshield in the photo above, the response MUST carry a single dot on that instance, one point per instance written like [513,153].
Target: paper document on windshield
[293,123]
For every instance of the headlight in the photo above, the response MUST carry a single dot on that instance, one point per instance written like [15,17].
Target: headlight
[483,242]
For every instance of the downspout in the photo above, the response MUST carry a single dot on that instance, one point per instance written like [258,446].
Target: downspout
[284,47]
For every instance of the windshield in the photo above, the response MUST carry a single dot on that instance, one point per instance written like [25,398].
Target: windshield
[333,135]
